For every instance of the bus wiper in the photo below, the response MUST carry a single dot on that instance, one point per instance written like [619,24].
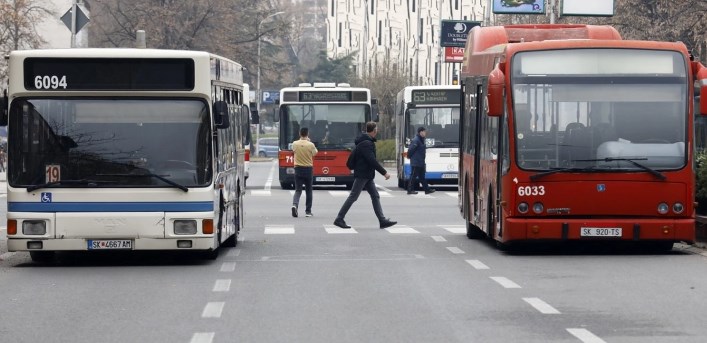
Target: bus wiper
[159,177]
[67,182]
[561,170]
[652,171]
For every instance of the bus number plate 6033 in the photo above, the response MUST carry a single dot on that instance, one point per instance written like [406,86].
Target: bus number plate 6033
[601,232]
[110,244]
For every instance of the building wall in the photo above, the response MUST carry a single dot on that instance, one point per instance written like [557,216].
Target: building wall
[403,33]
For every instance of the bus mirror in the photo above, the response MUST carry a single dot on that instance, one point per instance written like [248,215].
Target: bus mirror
[495,93]
[221,119]
[3,111]
[281,114]
[703,99]
[701,77]
[374,110]
[254,117]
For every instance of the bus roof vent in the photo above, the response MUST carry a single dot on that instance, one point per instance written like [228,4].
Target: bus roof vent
[345,85]
[305,84]
[324,84]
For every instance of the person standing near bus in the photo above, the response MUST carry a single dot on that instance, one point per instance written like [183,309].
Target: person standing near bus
[365,169]
[417,154]
[304,151]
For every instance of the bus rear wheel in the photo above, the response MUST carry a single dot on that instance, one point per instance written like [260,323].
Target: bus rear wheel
[472,231]
[42,256]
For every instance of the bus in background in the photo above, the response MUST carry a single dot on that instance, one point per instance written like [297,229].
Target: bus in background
[571,133]
[134,149]
[436,108]
[247,135]
[335,115]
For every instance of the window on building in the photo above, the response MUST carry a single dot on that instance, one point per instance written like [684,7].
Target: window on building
[380,31]
[419,31]
[333,3]
[339,34]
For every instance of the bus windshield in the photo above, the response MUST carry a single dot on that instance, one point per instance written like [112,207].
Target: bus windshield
[600,109]
[115,142]
[441,124]
[331,126]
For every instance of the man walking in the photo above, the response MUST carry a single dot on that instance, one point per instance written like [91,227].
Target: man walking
[304,151]
[365,170]
[416,153]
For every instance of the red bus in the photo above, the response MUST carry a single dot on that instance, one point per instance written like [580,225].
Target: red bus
[571,133]
[335,115]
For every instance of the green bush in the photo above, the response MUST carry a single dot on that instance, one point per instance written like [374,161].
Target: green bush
[701,185]
[385,150]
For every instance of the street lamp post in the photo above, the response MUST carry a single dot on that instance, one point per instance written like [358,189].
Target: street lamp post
[258,91]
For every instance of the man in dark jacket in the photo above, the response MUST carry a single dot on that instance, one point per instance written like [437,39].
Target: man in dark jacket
[364,172]
[417,152]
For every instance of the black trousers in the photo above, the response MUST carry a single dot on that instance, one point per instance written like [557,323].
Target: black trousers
[417,176]
[303,179]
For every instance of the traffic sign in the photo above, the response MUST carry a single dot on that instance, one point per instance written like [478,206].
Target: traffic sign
[81,18]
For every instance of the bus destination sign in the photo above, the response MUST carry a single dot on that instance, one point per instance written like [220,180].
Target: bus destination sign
[324,96]
[435,96]
[102,74]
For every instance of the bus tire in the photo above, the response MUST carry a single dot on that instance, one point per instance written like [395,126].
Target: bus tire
[42,256]
[472,231]
[232,241]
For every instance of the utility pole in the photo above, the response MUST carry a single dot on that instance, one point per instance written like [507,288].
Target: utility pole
[438,79]
[74,7]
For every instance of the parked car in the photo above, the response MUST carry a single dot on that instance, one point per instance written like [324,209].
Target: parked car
[268,147]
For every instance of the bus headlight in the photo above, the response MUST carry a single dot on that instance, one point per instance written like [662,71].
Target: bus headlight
[34,227]
[663,208]
[523,207]
[185,227]
[538,207]
[678,208]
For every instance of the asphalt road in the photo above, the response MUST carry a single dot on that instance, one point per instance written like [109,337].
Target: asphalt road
[302,280]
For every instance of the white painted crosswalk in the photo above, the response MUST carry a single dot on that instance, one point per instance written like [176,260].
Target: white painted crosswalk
[437,232]
[384,193]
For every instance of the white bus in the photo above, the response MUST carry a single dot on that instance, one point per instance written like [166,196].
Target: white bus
[436,108]
[133,149]
[247,136]
[335,115]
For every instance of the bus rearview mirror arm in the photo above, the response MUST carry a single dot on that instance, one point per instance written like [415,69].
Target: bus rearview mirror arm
[700,72]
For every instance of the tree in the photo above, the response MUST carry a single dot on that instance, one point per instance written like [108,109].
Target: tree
[331,69]
[18,19]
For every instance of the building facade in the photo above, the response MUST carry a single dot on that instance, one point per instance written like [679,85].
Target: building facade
[404,34]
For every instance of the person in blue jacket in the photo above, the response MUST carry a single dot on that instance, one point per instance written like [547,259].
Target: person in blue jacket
[416,154]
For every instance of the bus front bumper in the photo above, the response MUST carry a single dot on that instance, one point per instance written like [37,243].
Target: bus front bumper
[676,230]
[81,244]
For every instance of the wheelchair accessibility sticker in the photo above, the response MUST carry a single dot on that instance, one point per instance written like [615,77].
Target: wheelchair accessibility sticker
[46,197]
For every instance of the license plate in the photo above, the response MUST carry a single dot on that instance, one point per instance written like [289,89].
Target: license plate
[325,179]
[449,176]
[601,232]
[110,244]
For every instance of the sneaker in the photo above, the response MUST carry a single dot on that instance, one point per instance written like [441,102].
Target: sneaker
[412,192]
[341,223]
[294,211]
[429,191]
[387,223]
[308,214]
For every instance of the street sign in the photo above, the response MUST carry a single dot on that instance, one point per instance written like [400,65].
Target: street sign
[454,32]
[81,18]
[270,97]
[453,54]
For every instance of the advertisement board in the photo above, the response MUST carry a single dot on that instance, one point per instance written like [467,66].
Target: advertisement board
[587,8]
[519,6]
[453,54]
[454,32]
[270,97]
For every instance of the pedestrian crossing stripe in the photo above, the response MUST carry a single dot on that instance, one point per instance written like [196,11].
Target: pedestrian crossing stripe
[279,230]
[345,193]
[336,230]
[401,229]
[260,193]
[454,229]
[397,229]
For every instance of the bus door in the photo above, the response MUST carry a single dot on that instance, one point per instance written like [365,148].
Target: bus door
[479,112]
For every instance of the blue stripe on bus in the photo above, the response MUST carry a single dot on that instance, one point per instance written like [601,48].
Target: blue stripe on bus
[200,206]
[407,170]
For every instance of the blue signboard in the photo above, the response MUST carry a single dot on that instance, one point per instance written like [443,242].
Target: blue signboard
[519,6]
[271,97]
[454,32]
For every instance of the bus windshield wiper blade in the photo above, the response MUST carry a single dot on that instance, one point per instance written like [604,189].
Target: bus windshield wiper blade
[650,170]
[561,170]
[159,177]
[67,182]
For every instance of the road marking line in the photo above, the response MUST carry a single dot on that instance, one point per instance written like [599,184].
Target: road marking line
[228,266]
[585,336]
[423,195]
[269,230]
[383,188]
[477,264]
[3,228]
[260,193]
[202,337]
[541,306]
[336,229]
[401,229]
[438,238]
[505,282]
[213,310]
[452,194]
[385,194]
[455,250]
[339,194]
[222,285]
[234,252]
[458,230]
[268,183]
